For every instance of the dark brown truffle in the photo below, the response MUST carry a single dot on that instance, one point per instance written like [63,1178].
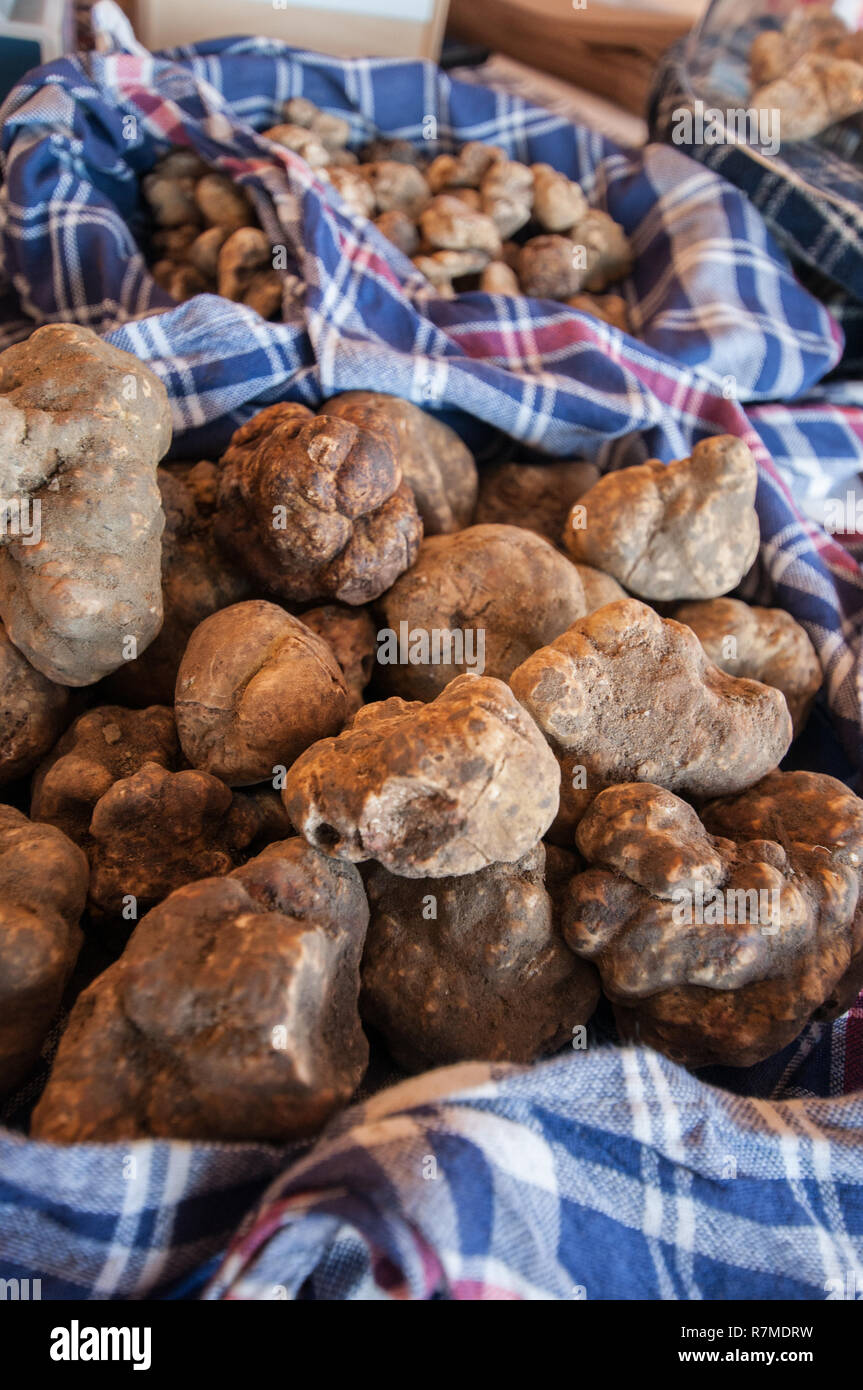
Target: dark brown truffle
[102,746]
[43,885]
[535,495]
[438,468]
[471,967]
[155,831]
[350,635]
[232,1013]
[196,581]
[315,507]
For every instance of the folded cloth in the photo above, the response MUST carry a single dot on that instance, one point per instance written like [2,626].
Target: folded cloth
[712,297]
[810,193]
[615,1175]
[605,1174]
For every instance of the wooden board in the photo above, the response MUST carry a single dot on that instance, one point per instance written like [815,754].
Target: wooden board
[349,30]
[608,49]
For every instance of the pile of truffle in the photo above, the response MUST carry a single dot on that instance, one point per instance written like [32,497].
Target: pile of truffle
[287,840]
[810,71]
[472,220]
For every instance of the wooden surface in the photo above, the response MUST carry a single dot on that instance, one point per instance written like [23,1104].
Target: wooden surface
[608,49]
[166,23]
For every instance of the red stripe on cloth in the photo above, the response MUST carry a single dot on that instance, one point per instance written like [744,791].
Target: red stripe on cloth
[854,1049]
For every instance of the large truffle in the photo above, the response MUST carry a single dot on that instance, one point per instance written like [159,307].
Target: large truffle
[254,689]
[82,428]
[712,951]
[436,465]
[482,599]
[33,712]
[471,967]
[625,695]
[101,747]
[429,790]
[763,644]
[683,530]
[315,507]
[232,1013]
[43,885]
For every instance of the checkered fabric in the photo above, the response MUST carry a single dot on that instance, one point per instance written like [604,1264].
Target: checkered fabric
[810,193]
[606,1174]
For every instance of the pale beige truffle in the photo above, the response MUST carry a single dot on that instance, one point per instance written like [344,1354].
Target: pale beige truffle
[626,696]
[686,529]
[429,790]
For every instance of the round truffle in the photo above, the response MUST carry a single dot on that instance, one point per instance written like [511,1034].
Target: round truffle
[254,689]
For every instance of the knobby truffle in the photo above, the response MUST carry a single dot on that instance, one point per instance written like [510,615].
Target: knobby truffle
[436,465]
[197,580]
[82,428]
[763,644]
[713,950]
[101,747]
[429,790]
[672,531]
[625,695]
[232,1013]
[315,508]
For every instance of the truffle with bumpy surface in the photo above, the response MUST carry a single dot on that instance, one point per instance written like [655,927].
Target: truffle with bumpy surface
[429,790]
[82,428]
[486,976]
[712,950]
[626,696]
[43,887]
[315,507]
[683,530]
[231,1015]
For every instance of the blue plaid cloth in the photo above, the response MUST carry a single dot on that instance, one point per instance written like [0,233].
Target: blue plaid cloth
[810,194]
[607,1174]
